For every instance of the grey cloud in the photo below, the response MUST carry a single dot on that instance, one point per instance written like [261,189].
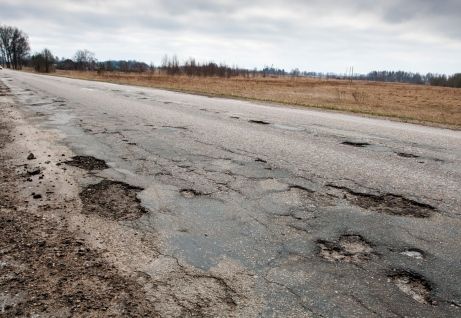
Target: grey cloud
[311,34]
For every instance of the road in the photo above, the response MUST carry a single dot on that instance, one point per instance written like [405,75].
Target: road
[292,211]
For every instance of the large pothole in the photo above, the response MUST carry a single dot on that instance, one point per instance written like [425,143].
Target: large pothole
[349,249]
[87,163]
[413,285]
[113,200]
[388,203]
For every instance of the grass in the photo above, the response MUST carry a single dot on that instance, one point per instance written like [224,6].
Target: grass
[437,106]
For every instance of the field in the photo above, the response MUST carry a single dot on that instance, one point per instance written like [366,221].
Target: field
[436,106]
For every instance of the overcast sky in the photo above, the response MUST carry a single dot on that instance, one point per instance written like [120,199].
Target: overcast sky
[314,35]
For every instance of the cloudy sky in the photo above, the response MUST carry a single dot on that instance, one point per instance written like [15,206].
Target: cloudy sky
[314,35]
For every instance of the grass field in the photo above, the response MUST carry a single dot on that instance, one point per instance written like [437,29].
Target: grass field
[438,106]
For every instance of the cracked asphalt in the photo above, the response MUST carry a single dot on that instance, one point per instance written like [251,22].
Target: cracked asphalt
[280,211]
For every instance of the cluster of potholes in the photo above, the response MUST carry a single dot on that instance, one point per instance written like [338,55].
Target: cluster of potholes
[354,249]
[118,201]
[407,155]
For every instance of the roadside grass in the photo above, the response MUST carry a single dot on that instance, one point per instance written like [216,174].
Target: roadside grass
[435,106]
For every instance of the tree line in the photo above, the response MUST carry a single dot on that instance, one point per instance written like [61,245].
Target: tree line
[15,53]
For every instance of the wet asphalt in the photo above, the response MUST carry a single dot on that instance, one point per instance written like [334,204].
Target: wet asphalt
[277,189]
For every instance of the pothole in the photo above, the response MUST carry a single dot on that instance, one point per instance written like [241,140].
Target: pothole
[349,249]
[87,163]
[413,285]
[413,253]
[113,200]
[355,144]
[190,193]
[260,122]
[388,203]
[406,155]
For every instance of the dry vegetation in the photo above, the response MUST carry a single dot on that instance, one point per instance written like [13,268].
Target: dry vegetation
[406,102]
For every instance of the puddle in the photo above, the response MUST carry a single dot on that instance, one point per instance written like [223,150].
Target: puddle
[87,163]
[349,249]
[413,285]
[113,200]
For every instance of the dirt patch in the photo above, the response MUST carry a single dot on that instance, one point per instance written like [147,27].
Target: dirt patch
[387,203]
[355,144]
[113,200]
[349,249]
[87,163]
[46,272]
[413,285]
[260,122]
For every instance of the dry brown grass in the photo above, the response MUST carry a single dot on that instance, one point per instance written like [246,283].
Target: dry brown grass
[413,103]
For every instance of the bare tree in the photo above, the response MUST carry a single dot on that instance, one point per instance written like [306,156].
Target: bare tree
[43,62]
[6,34]
[14,46]
[85,60]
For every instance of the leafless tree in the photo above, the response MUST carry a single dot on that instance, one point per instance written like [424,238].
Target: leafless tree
[43,62]
[14,46]
[85,60]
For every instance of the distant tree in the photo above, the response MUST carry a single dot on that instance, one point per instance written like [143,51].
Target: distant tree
[454,80]
[85,60]
[43,62]
[14,47]
[66,64]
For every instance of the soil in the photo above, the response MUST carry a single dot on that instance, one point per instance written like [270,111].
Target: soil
[87,163]
[113,200]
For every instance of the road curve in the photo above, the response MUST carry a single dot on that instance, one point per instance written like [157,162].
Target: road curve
[324,213]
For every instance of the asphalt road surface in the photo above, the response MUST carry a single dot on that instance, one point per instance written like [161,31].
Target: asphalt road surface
[303,212]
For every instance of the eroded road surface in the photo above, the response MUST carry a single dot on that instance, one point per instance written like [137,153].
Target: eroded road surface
[198,206]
